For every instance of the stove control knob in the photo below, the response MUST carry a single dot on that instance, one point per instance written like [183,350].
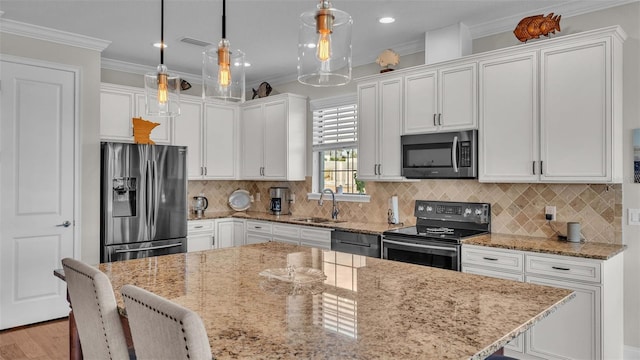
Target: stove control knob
[420,208]
[467,212]
[478,212]
[429,209]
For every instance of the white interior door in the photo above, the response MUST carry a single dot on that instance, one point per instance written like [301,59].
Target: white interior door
[36,190]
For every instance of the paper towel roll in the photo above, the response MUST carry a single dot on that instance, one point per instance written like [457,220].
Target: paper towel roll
[393,206]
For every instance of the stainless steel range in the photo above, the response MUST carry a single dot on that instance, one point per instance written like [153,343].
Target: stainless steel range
[440,228]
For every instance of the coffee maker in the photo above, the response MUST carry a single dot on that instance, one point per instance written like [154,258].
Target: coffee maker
[280,201]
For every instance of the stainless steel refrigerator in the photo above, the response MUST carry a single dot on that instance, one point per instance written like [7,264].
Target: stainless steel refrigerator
[143,201]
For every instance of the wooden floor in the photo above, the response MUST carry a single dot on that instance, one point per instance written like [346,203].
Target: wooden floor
[44,341]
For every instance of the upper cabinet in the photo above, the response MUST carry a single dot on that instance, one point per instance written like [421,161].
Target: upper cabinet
[273,137]
[118,105]
[379,127]
[441,99]
[568,130]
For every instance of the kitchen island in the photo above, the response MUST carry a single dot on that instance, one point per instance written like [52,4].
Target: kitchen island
[366,308]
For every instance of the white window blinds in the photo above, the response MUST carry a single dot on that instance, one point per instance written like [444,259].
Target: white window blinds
[335,127]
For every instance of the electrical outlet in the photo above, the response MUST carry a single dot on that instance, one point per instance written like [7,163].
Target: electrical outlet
[258,197]
[550,213]
[633,216]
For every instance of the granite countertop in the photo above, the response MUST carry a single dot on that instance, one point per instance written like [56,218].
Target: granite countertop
[368,227]
[367,308]
[549,246]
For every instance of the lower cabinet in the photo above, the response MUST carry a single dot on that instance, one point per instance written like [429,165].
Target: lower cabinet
[263,231]
[200,235]
[587,327]
[229,232]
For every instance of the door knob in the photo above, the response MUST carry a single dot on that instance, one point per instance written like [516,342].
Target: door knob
[65,224]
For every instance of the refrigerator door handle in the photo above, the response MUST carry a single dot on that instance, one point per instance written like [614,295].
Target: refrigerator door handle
[148,197]
[149,248]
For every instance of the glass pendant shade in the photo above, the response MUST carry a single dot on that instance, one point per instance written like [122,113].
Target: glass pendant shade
[324,46]
[162,93]
[223,73]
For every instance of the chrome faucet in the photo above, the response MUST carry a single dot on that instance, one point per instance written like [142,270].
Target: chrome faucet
[334,210]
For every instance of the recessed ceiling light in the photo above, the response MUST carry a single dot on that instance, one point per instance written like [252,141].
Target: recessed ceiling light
[158,45]
[246,64]
[386,20]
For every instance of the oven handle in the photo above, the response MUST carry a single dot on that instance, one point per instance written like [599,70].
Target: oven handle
[418,245]
[454,154]
[149,248]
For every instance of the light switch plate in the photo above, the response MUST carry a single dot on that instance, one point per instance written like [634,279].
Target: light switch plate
[633,216]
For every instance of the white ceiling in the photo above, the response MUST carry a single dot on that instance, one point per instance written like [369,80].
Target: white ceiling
[267,30]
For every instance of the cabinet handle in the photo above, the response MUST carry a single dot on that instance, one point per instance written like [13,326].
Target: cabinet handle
[541,171]
[490,259]
[202,170]
[205,171]
[434,120]
[533,167]
[560,268]
[439,119]
[257,227]
[379,169]
[198,227]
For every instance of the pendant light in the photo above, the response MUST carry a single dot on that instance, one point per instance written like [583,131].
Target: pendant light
[162,89]
[223,69]
[324,46]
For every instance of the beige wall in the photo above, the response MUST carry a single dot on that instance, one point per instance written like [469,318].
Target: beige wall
[88,217]
[627,16]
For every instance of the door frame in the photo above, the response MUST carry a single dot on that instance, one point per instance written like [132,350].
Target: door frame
[77,72]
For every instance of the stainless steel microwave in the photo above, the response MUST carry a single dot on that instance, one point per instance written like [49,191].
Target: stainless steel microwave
[445,155]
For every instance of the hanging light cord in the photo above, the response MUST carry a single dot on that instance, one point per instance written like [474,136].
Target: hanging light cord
[224,19]
[162,32]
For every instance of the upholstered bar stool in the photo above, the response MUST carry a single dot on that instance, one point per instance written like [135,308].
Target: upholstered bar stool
[95,311]
[162,329]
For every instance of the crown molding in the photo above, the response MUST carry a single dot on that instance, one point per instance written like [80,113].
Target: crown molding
[568,9]
[47,34]
[138,69]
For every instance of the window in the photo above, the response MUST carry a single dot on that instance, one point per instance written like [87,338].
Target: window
[335,145]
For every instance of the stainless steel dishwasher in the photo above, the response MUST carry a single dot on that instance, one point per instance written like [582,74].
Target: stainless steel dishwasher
[355,243]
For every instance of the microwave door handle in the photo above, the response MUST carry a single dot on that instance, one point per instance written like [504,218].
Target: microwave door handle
[454,154]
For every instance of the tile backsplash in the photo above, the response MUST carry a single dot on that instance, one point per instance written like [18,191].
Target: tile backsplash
[515,208]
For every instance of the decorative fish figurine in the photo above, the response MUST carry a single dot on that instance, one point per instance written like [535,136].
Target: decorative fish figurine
[263,90]
[532,27]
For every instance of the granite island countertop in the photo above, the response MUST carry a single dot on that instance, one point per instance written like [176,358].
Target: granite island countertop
[366,308]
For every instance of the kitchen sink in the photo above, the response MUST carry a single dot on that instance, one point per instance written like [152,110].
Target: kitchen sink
[317,220]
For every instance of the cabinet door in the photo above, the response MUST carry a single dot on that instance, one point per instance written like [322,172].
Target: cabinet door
[573,331]
[367,135]
[575,112]
[252,238]
[187,131]
[238,232]
[252,135]
[219,146]
[161,134]
[421,99]
[116,113]
[390,125]
[199,242]
[224,233]
[508,136]
[275,140]
[458,101]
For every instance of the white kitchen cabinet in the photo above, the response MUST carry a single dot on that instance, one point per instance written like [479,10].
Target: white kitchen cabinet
[587,327]
[263,231]
[257,232]
[118,106]
[200,235]
[210,132]
[379,127]
[570,130]
[508,137]
[315,237]
[229,232]
[273,138]
[441,99]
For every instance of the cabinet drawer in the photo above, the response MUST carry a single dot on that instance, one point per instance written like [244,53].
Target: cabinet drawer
[197,226]
[315,235]
[495,258]
[291,231]
[567,268]
[493,273]
[259,226]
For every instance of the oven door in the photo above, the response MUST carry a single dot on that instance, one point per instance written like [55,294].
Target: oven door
[429,253]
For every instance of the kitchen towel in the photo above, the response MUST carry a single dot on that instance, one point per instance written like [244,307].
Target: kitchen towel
[394,218]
